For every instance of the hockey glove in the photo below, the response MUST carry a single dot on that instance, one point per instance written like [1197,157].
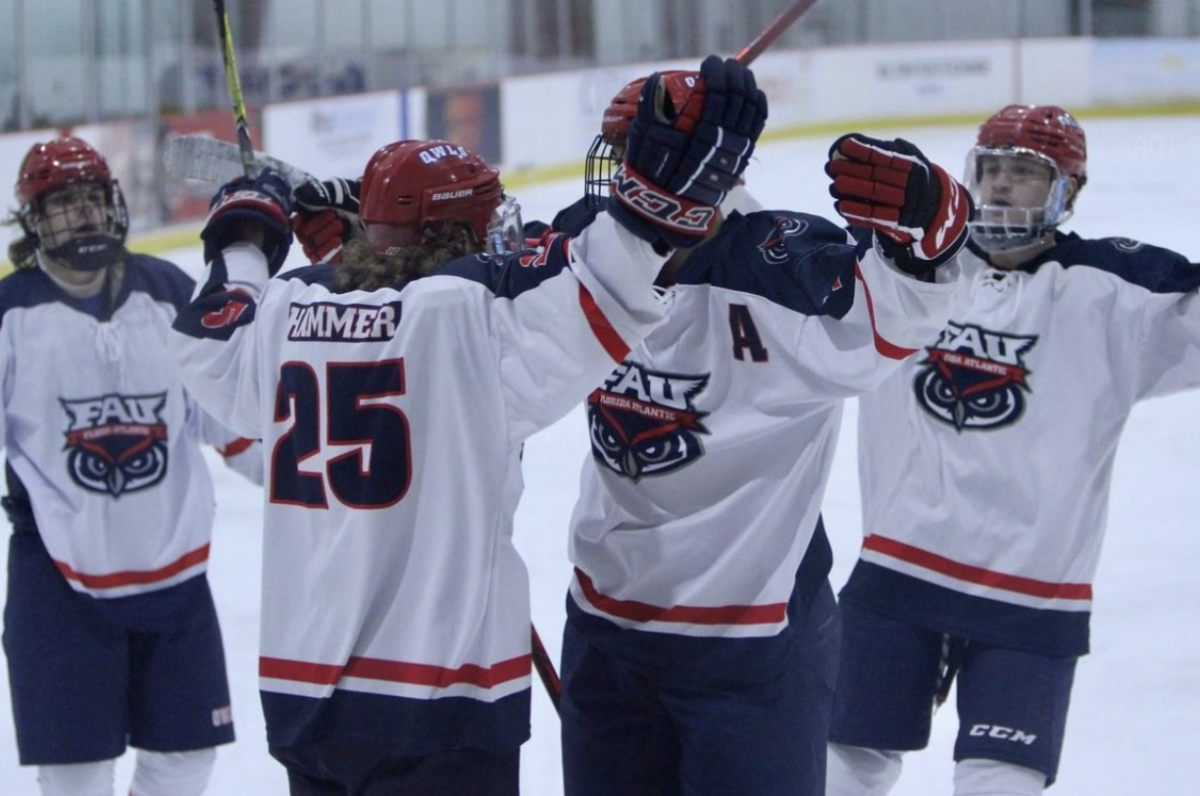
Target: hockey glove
[919,213]
[264,200]
[680,162]
[326,216]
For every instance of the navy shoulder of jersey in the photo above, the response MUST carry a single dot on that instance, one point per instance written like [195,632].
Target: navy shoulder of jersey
[510,275]
[1154,268]
[161,279]
[535,230]
[319,274]
[573,218]
[800,261]
[26,287]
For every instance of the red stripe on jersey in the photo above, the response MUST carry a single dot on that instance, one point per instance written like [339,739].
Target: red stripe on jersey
[984,577]
[301,672]
[239,445]
[887,349]
[716,615]
[397,672]
[603,330]
[136,577]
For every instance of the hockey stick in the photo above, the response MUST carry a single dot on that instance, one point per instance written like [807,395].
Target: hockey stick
[208,159]
[234,83]
[773,31]
[202,157]
[545,668]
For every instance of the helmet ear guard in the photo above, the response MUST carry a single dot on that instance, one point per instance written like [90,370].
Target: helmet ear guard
[1040,134]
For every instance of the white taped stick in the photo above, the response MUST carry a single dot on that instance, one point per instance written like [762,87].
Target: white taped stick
[202,157]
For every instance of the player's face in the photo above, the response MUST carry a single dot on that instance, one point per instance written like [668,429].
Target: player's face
[71,211]
[1014,181]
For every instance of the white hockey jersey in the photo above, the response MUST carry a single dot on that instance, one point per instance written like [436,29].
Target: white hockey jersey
[712,441]
[102,442]
[986,463]
[395,606]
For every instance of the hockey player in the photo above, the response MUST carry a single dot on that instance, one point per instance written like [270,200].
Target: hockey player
[985,469]
[698,653]
[395,395]
[109,627]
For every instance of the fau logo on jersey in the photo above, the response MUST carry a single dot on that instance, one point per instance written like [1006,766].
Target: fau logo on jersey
[974,378]
[644,423]
[116,443]
[343,323]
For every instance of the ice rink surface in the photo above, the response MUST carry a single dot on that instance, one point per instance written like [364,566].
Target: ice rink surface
[1135,713]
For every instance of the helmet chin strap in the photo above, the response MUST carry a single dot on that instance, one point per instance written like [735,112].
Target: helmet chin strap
[87,252]
[75,282]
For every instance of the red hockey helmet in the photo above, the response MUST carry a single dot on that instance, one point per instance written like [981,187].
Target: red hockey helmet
[1045,129]
[604,156]
[614,126]
[1024,173]
[408,185]
[57,165]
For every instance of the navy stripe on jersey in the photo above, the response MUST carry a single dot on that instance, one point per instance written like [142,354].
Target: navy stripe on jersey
[799,261]
[217,313]
[420,726]
[511,275]
[160,611]
[162,280]
[1152,267]
[319,274]
[918,602]
[703,660]
[216,316]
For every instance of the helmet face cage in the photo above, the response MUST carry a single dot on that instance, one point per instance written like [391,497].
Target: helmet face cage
[71,207]
[1043,134]
[59,215]
[1000,226]
[411,185]
[601,165]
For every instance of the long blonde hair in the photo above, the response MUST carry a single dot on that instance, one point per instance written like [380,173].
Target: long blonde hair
[361,269]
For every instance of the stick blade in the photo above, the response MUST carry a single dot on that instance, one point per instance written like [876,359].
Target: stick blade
[202,157]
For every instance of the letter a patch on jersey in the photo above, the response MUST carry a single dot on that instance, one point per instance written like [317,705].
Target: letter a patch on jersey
[746,338]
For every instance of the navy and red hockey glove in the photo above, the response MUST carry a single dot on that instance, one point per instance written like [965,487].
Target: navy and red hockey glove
[918,212]
[265,201]
[680,162]
[326,216]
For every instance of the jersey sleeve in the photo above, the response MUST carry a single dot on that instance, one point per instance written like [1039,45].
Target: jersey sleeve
[858,316]
[1167,357]
[1142,299]
[594,302]
[213,340]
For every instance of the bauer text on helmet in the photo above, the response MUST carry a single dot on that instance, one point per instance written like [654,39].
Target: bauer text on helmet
[411,185]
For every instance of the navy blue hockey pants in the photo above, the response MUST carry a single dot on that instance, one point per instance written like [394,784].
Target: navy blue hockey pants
[628,730]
